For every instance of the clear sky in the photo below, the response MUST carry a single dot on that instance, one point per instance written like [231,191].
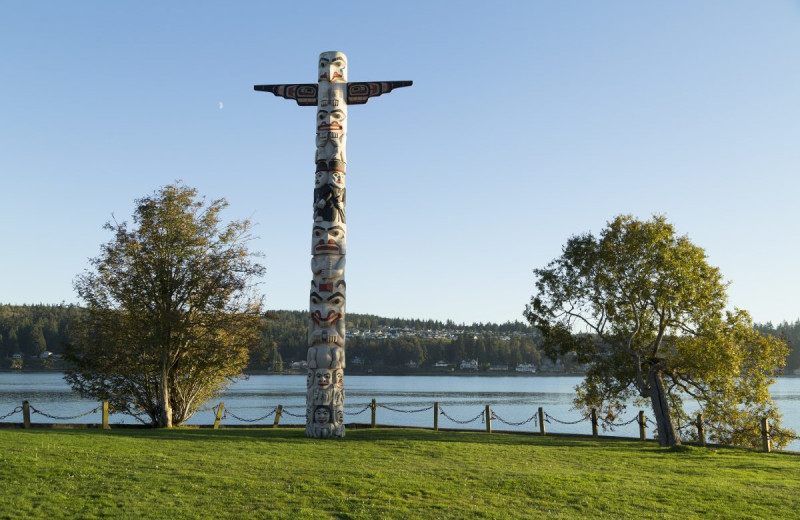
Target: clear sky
[528,122]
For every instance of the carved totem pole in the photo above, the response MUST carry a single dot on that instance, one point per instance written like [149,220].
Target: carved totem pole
[326,328]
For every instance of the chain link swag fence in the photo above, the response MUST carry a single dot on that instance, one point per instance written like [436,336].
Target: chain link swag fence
[485,416]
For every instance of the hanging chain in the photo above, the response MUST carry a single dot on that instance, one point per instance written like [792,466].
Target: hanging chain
[59,418]
[15,410]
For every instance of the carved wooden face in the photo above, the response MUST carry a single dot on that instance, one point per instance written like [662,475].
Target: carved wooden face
[328,238]
[333,67]
[338,378]
[336,178]
[323,378]
[309,378]
[330,120]
[320,179]
[327,304]
[322,415]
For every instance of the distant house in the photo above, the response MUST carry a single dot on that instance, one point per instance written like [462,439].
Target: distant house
[18,355]
[357,361]
[411,364]
[469,364]
[441,364]
[46,355]
[526,367]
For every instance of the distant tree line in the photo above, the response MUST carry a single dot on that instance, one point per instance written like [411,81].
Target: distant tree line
[491,344]
[33,329]
[789,332]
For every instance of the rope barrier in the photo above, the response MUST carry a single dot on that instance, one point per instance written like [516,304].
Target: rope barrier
[526,421]
[15,410]
[228,411]
[479,416]
[59,418]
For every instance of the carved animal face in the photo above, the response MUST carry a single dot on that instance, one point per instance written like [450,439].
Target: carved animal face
[327,303]
[333,67]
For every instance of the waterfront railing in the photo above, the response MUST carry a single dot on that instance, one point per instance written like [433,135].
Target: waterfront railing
[486,416]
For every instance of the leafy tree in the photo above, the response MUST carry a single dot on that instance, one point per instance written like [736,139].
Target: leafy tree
[170,308]
[642,308]
[275,358]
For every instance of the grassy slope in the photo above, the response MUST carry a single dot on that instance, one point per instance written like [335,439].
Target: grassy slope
[393,473]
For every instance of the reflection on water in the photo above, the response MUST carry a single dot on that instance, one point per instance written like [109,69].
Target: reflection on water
[513,399]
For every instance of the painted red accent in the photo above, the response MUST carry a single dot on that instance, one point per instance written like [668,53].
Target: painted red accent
[333,126]
[329,320]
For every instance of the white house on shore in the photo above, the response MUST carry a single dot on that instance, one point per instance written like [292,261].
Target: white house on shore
[469,364]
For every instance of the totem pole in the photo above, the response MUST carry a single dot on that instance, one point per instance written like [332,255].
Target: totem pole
[326,328]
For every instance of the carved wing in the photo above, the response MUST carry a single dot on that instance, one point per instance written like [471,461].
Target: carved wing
[359,93]
[305,94]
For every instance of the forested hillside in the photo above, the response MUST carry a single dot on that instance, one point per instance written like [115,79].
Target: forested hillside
[791,333]
[375,341]
[33,329]
[372,341]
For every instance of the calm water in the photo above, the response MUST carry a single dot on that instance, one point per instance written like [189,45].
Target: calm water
[400,399]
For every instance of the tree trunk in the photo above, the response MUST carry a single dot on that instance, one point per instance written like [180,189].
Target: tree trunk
[658,398]
[165,421]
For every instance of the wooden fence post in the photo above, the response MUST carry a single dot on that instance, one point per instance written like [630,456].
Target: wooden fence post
[701,431]
[488,416]
[278,412]
[218,416]
[436,417]
[594,422]
[374,407]
[766,440]
[642,426]
[26,414]
[541,422]
[105,415]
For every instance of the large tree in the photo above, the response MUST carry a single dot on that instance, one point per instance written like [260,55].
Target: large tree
[171,308]
[642,308]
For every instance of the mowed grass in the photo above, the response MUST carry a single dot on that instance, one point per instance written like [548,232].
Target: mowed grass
[381,473]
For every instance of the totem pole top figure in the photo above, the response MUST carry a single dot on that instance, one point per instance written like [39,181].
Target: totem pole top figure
[333,69]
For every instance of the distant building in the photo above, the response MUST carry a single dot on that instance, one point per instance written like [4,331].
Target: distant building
[411,364]
[441,364]
[469,364]
[526,367]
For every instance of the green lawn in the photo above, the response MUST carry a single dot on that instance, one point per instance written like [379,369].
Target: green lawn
[382,473]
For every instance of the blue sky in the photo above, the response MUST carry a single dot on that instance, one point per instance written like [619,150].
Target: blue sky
[528,122]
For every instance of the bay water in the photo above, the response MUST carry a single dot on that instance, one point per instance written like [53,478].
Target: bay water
[401,401]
